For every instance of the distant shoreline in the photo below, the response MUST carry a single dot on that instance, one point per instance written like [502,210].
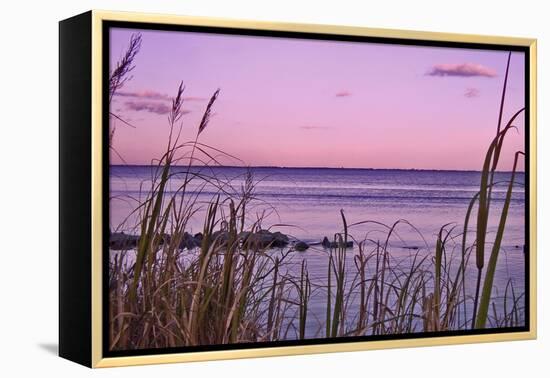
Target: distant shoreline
[313,168]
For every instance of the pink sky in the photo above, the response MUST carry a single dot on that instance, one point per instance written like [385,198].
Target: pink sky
[291,102]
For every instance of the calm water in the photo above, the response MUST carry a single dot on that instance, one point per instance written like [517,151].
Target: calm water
[308,202]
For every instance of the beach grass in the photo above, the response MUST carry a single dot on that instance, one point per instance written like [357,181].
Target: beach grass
[232,289]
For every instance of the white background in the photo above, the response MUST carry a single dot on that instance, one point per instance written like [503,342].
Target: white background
[29,189]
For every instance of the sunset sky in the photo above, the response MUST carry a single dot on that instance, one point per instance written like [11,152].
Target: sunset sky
[307,103]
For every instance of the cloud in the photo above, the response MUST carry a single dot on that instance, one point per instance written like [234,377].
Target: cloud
[147,106]
[194,98]
[152,95]
[461,70]
[343,94]
[471,92]
[149,95]
[314,127]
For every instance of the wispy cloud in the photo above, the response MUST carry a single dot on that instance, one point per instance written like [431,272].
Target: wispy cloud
[461,70]
[343,94]
[152,95]
[471,92]
[147,106]
[194,98]
[314,127]
[149,95]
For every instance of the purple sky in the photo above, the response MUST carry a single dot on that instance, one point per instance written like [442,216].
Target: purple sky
[289,102]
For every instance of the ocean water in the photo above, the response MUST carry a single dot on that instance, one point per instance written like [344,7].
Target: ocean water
[305,203]
[308,200]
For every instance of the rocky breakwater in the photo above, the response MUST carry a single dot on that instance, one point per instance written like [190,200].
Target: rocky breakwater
[262,239]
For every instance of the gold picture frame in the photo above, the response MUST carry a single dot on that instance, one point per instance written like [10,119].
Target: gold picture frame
[90,328]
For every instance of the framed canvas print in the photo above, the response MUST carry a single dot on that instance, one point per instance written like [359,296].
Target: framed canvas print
[236,189]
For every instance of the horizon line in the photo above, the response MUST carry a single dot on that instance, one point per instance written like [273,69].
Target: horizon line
[287,167]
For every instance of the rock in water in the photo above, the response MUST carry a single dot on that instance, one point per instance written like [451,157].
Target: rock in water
[264,239]
[161,239]
[301,246]
[220,237]
[243,236]
[198,237]
[332,244]
[280,240]
[188,241]
[120,241]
